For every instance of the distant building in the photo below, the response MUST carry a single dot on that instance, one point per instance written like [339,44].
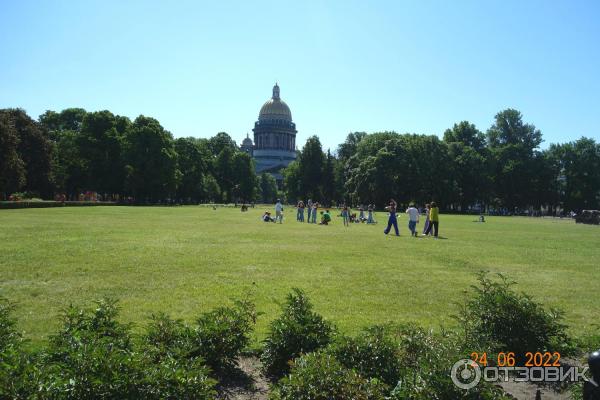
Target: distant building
[274,144]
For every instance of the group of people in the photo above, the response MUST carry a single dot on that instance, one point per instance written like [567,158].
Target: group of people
[431,226]
[312,209]
[432,219]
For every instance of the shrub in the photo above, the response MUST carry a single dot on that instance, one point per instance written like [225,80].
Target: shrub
[169,369]
[222,334]
[165,337]
[90,357]
[175,378]
[16,368]
[298,330]
[8,334]
[426,361]
[93,356]
[504,320]
[319,376]
[373,354]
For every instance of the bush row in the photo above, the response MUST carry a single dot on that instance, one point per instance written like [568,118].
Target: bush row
[94,356]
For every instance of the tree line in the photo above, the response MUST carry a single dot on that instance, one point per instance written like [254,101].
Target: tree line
[504,168]
[75,151]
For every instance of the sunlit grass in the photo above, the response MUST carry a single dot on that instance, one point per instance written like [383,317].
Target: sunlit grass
[183,260]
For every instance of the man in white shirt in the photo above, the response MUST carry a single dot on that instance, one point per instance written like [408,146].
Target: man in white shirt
[279,211]
[413,219]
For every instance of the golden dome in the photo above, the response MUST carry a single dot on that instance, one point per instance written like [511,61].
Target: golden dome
[275,108]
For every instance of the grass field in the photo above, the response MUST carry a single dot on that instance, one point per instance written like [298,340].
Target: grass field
[184,260]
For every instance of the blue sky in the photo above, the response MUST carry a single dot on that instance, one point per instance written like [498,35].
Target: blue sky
[201,67]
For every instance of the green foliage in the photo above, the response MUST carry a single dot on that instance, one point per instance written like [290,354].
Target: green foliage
[93,356]
[90,356]
[244,176]
[298,330]
[319,376]
[373,354]
[193,159]
[222,334]
[504,320]
[152,173]
[268,188]
[12,169]
[25,153]
[426,361]
[388,165]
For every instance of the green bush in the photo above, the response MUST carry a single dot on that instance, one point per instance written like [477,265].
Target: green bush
[373,354]
[8,334]
[501,319]
[167,338]
[17,373]
[93,356]
[298,330]
[90,357]
[222,334]
[426,361]
[175,378]
[319,376]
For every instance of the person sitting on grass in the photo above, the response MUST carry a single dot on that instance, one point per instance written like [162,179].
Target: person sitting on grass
[267,217]
[325,218]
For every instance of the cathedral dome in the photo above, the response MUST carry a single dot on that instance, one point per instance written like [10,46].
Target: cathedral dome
[275,108]
[247,142]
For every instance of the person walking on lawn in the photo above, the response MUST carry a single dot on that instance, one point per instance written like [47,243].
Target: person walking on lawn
[392,221]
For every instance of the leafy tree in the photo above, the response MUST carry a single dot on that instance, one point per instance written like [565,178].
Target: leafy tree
[329,179]
[311,165]
[152,173]
[69,119]
[577,165]
[101,145]
[211,188]
[512,144]
[348,148]
[245,177]
[470,172]
[12,169]
[292,181]
[221,141]
[224,172]
[192,162]
[69,167]
[268,188]
[35,151]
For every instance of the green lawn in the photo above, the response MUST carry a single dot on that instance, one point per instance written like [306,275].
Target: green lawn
[184,260]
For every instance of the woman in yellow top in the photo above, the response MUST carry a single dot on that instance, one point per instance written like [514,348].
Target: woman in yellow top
[434,220]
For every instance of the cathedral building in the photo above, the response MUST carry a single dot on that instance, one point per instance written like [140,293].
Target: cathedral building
[274,145]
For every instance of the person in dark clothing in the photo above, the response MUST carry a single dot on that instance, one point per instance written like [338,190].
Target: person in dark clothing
[392,220]
[591,388]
